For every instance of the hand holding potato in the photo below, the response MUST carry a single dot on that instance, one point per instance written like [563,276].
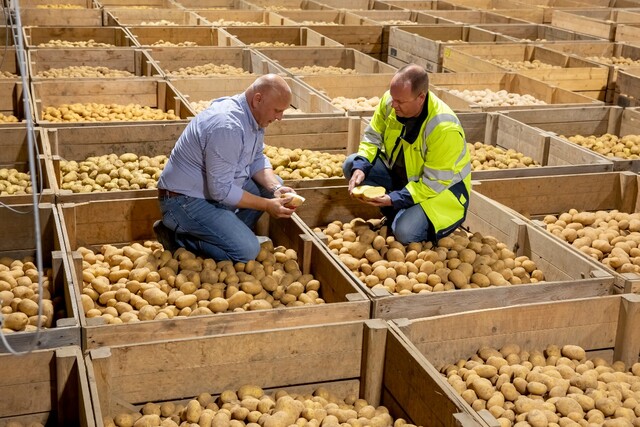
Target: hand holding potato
[356,179]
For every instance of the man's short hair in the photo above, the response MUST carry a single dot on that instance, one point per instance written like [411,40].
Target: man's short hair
[416,76]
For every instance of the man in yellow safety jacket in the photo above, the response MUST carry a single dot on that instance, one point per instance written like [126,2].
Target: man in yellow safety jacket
[415,148]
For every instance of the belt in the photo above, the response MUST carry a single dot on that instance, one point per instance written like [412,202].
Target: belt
[167,194]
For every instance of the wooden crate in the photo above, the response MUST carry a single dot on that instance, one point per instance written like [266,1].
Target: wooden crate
[215,4]
[240,17]
[305,100]
[144,91]
[283,4]
[49,387]
[146,36]
[352,31]
[171,59]
[126,17]
[627,88]
[349,4]
[416,5]
[9,61]
[585,121]
[296,36]
[475,17]
[12,101]
[36,3]
[17,237]
[135,61]
[511,82]
[139,4]
[628,33]
[534,197]
[424,45]
[605,327]
[118,37]
[125,221]
[33,16]
[510,8]
[14,154]
[364,65]
[578,75]
[374,365]
[79,143]
[601,23]
[548,7]
[538,33]
[567,275]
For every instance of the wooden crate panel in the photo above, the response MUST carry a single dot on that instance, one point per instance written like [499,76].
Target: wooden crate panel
[574,74]
[375,365]
[331,57]
[144,91]
[114,36]
[534,197]
[136,62]
[41,3]
[14,154]
[148,36]
[121,222]
[32,16]
[475,17]
[510,82]
[601,23]
[155,4]
[8,61]
[17,237]
[586,121]
[46,386]
[11,102]
[567,275]
[224,18]
[627,33]
[80,143]
[537,33]
[307,102]
[628,83]
[296,36]
[605,327]
[512,9]
[126,17]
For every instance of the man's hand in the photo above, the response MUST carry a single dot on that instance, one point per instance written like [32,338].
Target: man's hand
[282,190]
[277,209]
[356,179]
[380,201]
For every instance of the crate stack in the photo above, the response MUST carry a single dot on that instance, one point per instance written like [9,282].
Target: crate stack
[361,329]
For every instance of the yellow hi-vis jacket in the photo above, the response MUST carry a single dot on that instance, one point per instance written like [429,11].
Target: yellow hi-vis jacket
[437,163]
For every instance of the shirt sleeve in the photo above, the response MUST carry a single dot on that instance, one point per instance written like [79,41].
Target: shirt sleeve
[401,199]
[360,162]
[260,160]
[222,155]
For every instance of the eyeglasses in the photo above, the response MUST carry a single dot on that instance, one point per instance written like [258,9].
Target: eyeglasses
[409,100]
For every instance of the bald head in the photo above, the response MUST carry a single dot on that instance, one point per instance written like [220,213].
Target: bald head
[268,97]
[414,76]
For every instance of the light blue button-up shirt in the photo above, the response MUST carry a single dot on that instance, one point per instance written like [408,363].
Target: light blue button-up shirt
[219,150]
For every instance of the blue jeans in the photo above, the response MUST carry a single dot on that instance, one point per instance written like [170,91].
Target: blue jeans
[409,224]
[213,229]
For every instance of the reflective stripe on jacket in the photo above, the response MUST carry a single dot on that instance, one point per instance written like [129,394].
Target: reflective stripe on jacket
[437,163]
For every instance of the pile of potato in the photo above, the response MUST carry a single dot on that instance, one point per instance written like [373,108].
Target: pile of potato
[616,60]
[522,65]
[83,71]
[318,23]
[317,69]
[292,110]
[59,6]
[96,112]
[8,118]
[398,22]
[452,41]
[199,106]
[7,75]
[491,157]
[501,98]
[65,43]
[209,69]
[19,296]
[626,147]
[304,164]
[459,261]
[271,44]
[355,104]
[224,23]
[144,282]
[611,237]
[555,387]
[111,172]
[162,22]
[14,182]
[250,406]
[162,43]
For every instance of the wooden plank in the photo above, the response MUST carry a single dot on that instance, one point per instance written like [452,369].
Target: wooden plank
[373,352]
[627,344]
[56,17]
[126,16]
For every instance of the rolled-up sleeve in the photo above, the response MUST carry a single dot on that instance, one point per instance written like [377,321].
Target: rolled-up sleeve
[221,161]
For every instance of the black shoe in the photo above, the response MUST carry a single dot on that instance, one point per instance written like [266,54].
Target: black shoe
[165,236]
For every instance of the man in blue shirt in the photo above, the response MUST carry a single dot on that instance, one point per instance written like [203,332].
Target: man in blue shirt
[218,182]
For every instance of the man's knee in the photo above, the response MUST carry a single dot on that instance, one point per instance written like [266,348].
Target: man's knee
[247,251]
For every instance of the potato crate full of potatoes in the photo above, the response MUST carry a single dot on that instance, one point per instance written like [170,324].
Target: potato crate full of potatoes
[271,36]
[117,162]
[80,103]
[20,277]
[538,33]
[46,387]
[64,13]
[292,282]
[560,69]
[239,18]
[510,8]
[76,37]
[474,268]
[276,377]
[603,207]
[610,133]
[114,16]
[172,36]
[11,103]
[569,362]
[465,15]
[15,175]
[599,22]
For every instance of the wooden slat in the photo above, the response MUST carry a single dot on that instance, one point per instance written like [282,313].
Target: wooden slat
[373,352]
[627,343]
